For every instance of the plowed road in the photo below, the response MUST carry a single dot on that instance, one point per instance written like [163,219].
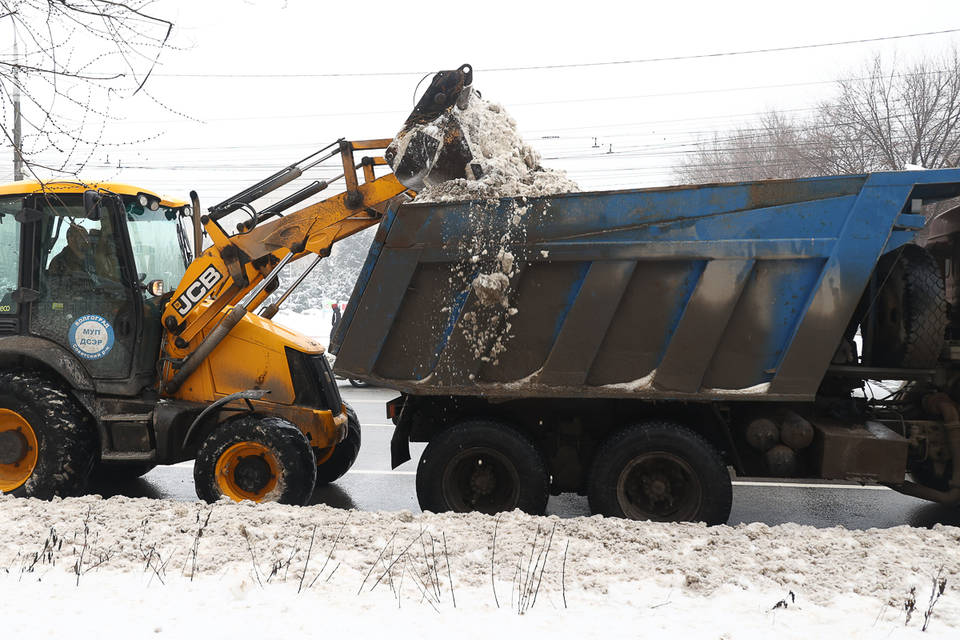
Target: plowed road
[371,485]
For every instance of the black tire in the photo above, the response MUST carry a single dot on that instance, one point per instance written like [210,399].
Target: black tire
[910,310]
[280,468]
[360,384]
[923,473]
[106,472]
[67,445]
[451,475]
[344,454]
[660,471]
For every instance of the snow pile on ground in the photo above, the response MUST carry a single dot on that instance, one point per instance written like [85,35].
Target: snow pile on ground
[186,570]
[510,166]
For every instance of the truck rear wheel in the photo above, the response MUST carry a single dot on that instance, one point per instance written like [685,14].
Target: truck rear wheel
[258,458]
[660,471]
[47,446]
[332,465]
[484,466]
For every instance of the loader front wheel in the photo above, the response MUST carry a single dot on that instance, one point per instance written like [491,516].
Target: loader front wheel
[660,471]
[484,466]
[333,464]
[47,446]
[257,458]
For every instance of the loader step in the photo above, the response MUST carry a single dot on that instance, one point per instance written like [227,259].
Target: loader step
[127,417]
[129,456]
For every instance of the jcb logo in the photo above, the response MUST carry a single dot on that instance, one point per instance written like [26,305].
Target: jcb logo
[197,291]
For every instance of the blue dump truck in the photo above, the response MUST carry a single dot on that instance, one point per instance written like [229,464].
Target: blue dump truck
[635,345]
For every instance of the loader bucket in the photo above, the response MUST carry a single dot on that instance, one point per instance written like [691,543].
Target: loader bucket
[433,145]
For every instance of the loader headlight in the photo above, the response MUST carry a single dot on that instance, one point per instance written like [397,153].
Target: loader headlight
[147,202]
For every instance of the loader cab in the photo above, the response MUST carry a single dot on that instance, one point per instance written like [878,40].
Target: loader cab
[88,271]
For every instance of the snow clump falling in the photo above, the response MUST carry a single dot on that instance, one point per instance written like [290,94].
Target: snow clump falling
[510,168]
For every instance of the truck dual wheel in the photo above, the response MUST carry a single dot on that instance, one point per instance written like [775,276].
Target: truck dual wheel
[660,471]
[258,458]
[47,444]
[482,465]
[332,463]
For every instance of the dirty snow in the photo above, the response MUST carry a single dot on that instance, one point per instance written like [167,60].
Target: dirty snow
[757,389]
[487,327]
[369,573]
[490,288]
[510,166]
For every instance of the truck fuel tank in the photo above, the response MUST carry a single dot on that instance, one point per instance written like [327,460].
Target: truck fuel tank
[868,452]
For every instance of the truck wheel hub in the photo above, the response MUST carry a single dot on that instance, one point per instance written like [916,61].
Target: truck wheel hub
[483,480]
[480,479]
[658,486]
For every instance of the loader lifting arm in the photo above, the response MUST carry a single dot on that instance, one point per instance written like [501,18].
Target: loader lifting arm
[236,270]
[241,270]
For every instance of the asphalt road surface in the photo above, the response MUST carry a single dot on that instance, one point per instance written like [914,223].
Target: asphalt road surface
[371,485]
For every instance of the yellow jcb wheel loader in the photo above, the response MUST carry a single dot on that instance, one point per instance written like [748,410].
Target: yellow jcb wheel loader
[129,338]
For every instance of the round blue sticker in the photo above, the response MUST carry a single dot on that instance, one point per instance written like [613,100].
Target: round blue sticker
[91,337]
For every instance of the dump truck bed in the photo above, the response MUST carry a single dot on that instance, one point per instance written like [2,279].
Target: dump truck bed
[737,291]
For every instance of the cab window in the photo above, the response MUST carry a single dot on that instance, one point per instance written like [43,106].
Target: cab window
[158,244]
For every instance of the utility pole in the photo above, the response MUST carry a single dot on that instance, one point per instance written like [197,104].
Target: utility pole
[15,94]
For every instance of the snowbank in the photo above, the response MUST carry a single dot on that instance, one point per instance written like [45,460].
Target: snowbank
[289,570]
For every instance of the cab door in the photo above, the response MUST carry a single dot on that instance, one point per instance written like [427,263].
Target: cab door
[158,244]
[87,299]
[11,238]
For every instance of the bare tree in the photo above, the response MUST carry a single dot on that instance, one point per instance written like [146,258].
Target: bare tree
[71,60]
[911,117]
[885,119]
[772,148]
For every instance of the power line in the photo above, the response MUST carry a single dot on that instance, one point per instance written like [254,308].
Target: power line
[578,65]
[513,105]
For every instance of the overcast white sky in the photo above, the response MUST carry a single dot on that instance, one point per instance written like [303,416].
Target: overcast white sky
[249,75]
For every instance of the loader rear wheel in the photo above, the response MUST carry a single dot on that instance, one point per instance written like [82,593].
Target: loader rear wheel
[660,471]
[258,458]
[47,447]
[485,466]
